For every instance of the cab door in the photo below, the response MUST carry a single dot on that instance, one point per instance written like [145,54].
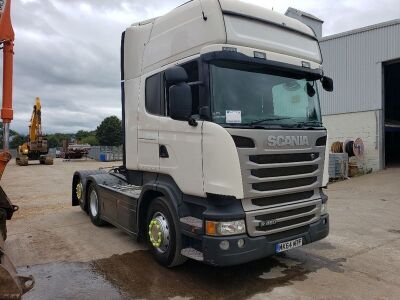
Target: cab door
[180,149]
[149,124]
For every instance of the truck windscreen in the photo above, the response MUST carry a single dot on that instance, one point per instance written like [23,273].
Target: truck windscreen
[244,96]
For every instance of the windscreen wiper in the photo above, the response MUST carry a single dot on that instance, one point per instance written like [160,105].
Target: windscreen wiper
[309,124]
[268,119]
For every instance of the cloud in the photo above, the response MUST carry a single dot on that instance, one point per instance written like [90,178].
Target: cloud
[67,51]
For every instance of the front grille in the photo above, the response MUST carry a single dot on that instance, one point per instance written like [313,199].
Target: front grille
[283,184]
[286,223]
[286,213]
[289,171]
[280,184]
[275,200]
[274,220]
[283,158]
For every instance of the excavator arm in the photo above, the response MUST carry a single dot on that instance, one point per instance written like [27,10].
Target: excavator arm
[35,126]
[12,285]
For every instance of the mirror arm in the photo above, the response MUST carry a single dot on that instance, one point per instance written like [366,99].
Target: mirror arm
[196,83]
[193,120]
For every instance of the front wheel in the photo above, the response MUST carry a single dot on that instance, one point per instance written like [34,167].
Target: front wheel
[94,206]
[163,235]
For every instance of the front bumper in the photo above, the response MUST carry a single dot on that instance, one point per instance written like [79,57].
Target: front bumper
[260,247]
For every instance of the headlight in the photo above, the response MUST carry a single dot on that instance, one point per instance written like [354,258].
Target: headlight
[225,228]
[324,208]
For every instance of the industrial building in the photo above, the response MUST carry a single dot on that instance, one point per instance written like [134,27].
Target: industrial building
[365,66]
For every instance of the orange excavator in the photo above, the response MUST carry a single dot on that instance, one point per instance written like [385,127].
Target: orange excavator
[12,286]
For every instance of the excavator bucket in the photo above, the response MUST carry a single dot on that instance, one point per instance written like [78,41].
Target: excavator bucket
[12,286]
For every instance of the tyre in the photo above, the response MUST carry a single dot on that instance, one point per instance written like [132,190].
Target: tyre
[94,206]
[164,239]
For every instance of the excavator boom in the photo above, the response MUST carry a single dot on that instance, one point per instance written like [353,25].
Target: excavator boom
[12,285]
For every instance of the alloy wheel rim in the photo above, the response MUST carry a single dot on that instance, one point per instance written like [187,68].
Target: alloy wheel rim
[94,203]
[159,232]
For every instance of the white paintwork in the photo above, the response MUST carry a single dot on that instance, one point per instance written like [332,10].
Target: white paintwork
[148,128]
[184,145]
[135,39]
[264,14]
[203,159]
[132,91]
[255,34]
[221,165]
[325,176]
[183,32]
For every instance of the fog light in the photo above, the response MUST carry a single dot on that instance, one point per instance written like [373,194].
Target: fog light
[224,245]
[324,208]
[241,243]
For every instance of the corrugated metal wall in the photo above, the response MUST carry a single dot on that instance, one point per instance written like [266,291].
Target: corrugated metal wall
[354,61]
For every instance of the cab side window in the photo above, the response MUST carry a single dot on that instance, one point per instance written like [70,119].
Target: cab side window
[154,99]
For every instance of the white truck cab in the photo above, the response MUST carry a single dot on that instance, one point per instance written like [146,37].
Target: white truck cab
[224,148]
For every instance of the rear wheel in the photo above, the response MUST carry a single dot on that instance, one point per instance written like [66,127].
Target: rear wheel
[94,206]
[78,190]
[162,234]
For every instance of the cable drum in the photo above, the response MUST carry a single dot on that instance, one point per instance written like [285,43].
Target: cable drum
[348,148]
[337,147]
[354,148]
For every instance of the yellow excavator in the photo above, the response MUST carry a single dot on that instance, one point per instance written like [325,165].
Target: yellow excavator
[36,148]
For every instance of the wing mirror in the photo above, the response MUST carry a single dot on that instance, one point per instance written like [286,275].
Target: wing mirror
[180,102]
[180,94]
[327,83]
[176,75]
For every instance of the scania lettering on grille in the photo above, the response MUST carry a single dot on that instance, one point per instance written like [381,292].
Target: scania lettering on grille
[287,141]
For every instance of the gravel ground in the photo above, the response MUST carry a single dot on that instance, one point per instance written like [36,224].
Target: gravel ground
[72,259]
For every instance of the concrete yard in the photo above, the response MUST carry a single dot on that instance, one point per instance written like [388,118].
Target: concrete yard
[72,259]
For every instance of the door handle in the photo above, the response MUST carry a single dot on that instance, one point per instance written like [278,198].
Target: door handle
[163,152]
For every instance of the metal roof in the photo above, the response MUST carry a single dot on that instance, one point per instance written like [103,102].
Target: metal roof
[360,30]
[355,60]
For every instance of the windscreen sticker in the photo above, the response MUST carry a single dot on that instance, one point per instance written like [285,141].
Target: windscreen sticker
[233,116]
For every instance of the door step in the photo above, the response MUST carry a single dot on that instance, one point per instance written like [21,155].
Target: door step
[193,254]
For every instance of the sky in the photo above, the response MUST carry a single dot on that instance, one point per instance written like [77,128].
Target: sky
[67,51]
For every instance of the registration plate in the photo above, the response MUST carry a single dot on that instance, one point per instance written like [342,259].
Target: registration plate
[288,245]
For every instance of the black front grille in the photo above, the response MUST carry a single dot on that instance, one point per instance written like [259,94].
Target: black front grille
[277,172]
[283,158]
[282,199]
[283,184]
[286,213]
[243,142]
[285,223]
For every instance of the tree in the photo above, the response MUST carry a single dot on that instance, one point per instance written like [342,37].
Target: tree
[12,135]
[109,132]
[91,140]
[17,140]
[82,134]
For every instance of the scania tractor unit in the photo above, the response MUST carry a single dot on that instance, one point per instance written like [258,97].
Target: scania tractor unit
[224,148]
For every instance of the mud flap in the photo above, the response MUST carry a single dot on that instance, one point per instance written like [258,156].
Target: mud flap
[12,285]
